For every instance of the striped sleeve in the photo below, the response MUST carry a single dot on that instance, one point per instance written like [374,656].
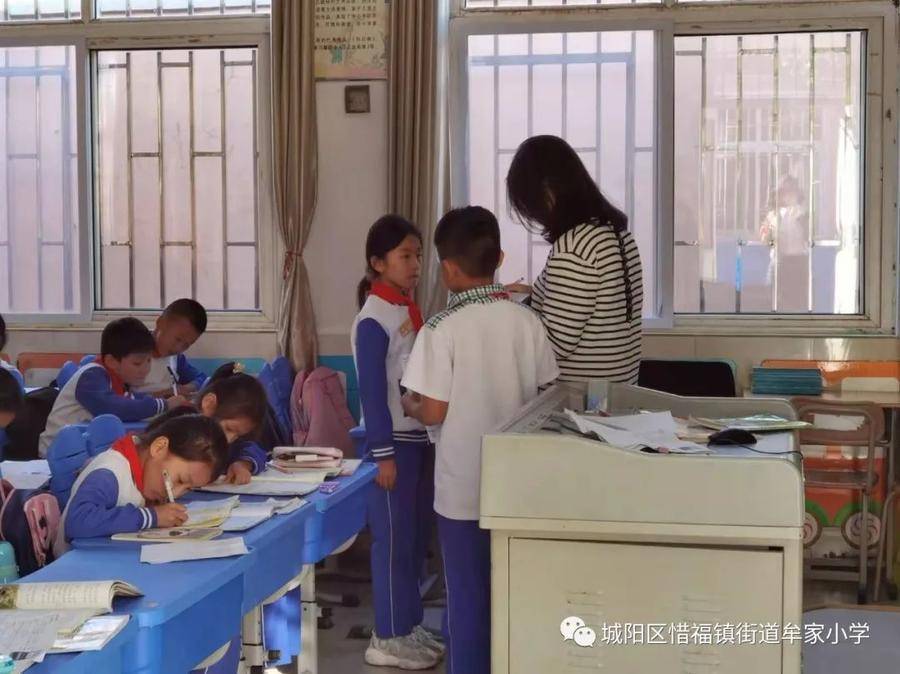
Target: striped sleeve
[569,292]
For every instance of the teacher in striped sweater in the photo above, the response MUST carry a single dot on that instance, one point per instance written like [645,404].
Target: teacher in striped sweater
[590,294]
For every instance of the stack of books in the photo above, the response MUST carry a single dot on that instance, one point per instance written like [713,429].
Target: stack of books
[784,381]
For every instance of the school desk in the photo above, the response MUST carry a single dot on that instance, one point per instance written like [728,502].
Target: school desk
[110,659]
[280,550]
[189,609]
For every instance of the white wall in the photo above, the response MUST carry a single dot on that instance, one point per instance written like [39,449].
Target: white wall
[352,195]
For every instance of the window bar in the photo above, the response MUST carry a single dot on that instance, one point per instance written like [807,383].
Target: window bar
[701,211]
[598,107]
[162,184]
[254,131]
[159,12]
[129,147]
[39,192]
[812,168]
[223,145]
[10,239]
[68,218]
[630,112]
[192,168]
[776,164]
[739,168]
[496,103]
[529,113]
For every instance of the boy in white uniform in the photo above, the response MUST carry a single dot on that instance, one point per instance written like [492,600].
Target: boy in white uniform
[472,367]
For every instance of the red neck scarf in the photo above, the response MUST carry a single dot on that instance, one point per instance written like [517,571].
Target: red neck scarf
[118,386]
[394,296]
[126,447]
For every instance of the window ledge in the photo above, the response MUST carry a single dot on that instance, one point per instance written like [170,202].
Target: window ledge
[765,326]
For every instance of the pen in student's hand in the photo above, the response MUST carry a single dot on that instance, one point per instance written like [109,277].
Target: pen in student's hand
[169,493]
[174,381]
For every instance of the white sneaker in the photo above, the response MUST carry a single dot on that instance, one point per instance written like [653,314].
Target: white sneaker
[429,641]
[402,652]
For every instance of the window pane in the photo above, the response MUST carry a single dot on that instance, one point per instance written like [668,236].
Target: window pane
[768,173]
[481,4]
[117,9]
[39,10]
[596,90]
[177,178]
[38,181]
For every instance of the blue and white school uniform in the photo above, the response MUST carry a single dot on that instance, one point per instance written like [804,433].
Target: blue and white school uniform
[106,498]
[94,390]
[486,357]
[382,337]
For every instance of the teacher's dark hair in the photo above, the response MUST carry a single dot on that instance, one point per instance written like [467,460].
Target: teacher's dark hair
[551,191]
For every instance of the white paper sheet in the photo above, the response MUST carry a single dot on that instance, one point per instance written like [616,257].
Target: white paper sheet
[30,631]
[656,430]
[163,554]
[248,515]
[265,488]
[25,474]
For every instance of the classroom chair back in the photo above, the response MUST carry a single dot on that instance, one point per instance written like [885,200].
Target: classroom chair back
[66,372]
[74,446]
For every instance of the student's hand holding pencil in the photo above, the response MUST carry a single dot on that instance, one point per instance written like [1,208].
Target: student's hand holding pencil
[170,515]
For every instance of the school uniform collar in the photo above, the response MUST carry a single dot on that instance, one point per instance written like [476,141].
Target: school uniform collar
[127,448]
[119,387]
[394,296]
[480,295]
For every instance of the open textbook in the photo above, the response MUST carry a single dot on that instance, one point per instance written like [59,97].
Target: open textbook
[170,535]
[34,616]
[274,483]
[758,423]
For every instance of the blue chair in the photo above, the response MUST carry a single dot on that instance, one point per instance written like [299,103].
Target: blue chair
[66,372]
[88,358]
[358,435]
[283,378]
[74,446]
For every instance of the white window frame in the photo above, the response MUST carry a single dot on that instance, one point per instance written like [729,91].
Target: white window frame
[89,34]
[878,18]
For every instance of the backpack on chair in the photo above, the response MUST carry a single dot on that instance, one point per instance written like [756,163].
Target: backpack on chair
[319,412]
[29,521]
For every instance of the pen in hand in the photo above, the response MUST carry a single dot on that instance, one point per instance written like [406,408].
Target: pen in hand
[169,493]
[174,381]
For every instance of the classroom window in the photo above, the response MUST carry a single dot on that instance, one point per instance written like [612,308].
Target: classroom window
[596,90]
[488,4]
[177,181]
[39,10]
[768,173]
[39,252]
[133,9]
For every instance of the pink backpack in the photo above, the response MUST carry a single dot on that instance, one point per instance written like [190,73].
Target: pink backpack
[29,520]
[319,411]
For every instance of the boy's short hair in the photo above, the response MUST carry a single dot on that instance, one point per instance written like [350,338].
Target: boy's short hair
[470,237]
[125,336]
[189,309]
[11,397]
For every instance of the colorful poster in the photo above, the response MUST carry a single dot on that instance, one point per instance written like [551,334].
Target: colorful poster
[351,39]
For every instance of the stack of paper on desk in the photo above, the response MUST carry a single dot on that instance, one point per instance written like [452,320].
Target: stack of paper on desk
[34,616]
[273,483]
[656,430]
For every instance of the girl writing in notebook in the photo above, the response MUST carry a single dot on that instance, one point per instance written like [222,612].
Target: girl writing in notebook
[126,488]
[399,509]
[238,402]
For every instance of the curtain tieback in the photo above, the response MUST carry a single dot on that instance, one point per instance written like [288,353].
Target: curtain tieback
[289,257]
